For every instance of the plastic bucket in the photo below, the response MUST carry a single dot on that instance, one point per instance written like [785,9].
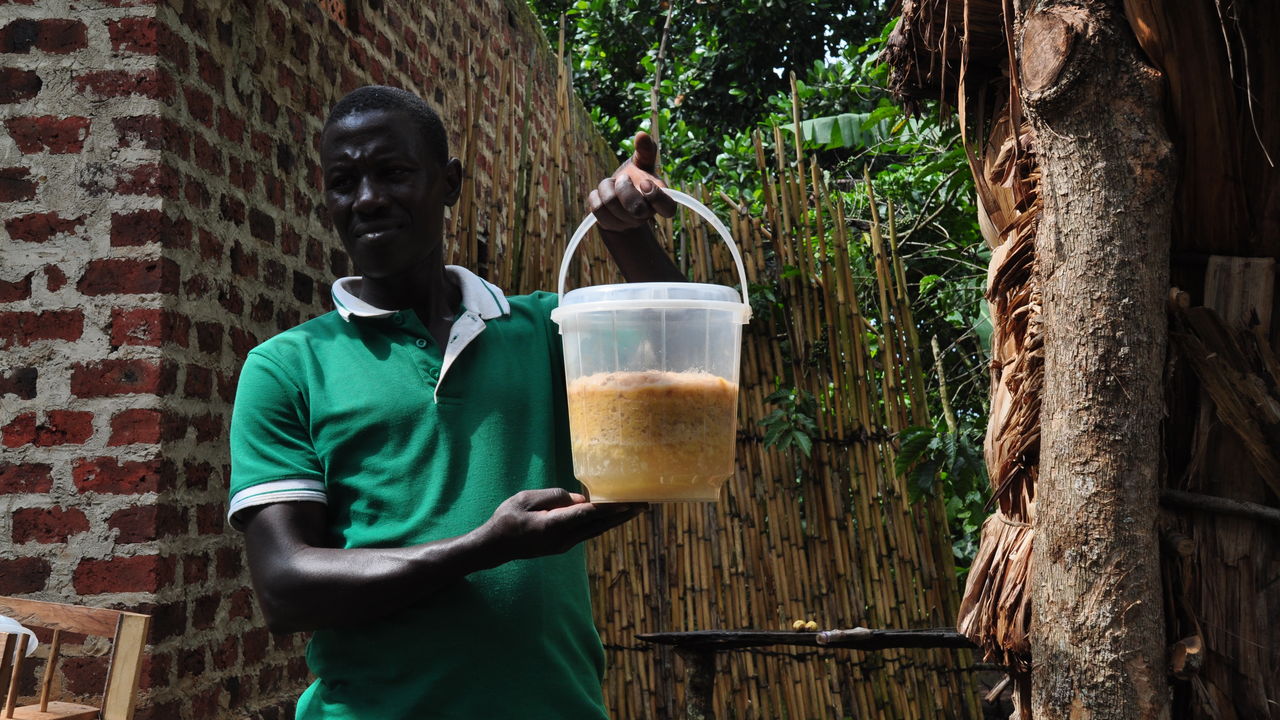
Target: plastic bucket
[652,377]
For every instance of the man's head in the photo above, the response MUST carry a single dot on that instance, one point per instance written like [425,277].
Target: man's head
[381,97]
[387,179]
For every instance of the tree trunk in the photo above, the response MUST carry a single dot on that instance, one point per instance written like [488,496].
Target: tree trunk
[1098,642]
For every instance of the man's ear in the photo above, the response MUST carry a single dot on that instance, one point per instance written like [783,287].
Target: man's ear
[453,181]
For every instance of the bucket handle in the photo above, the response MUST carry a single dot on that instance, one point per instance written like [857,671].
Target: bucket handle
[683,199]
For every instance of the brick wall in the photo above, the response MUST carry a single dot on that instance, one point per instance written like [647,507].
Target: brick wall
[158,194]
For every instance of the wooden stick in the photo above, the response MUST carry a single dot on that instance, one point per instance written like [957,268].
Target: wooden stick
[1215,504]
[18,658]
[46,683]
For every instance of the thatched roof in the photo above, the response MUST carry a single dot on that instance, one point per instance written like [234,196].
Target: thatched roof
[926,48]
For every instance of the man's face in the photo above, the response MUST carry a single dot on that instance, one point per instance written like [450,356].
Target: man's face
[386,194]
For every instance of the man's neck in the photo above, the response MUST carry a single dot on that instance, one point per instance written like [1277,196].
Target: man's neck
[428,290]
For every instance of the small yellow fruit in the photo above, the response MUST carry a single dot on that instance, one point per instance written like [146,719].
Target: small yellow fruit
[811,626]
[797,625]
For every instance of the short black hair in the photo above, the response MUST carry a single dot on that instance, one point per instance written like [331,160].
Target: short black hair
[381,97]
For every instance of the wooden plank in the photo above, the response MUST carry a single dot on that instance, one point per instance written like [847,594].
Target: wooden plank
[56,711]
[56,616]
[125,669]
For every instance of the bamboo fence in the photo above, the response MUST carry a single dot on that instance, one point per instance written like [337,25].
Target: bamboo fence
[833,537]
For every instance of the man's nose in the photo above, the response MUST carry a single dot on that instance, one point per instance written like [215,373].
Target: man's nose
[369,197]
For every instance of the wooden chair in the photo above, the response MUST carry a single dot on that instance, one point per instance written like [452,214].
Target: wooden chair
[127,631]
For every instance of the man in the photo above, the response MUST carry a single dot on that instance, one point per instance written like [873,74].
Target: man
[400,466]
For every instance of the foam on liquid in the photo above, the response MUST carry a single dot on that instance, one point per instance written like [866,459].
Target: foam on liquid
[653,436]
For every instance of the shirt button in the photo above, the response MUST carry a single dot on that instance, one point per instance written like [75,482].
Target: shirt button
[434,373]
[421,343]
[399,319]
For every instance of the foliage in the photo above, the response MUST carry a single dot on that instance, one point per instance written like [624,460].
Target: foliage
[937,460]
[723,58]
[792,421]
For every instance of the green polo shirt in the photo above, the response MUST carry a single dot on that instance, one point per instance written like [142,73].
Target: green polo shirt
[408,443]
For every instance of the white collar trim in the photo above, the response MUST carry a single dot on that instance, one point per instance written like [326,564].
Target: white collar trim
[478,295]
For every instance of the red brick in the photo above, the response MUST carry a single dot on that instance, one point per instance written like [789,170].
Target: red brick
[15,184]
[207,156]
[242,341]
[263,308]
[41,227]
[84,675]
[122,377]
[25,328]
[255,645]
[147,522]
[17,85]
[227,384]
[199,105]
[205,611]
[262,226]
[211,519]
[195,569]
[107,276]
[209,68]
[149,226]
[20,382]
[136,35]
[151,179]
[20,431]
[229,563]
[59,136]
[240,604]
[196,475]
[156,674]
[54,278]
[48,525]
[198,287]
[149,326]
[209,337]
[196,193]
[230,125]
[225,656]
[168,620]
[243,263]
[52,36]
[23,575]
[25,478]
[141,573]
[64,427]
[198,382]
[136,425]
[154,84]
[191,664]
[109,475]
[149,131]
[17,289]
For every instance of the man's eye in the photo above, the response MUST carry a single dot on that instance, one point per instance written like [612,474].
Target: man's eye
[339,183]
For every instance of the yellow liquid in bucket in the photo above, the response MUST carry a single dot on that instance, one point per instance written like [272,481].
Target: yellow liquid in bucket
[653,436]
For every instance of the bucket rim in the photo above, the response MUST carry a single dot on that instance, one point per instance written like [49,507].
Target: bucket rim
[741,310]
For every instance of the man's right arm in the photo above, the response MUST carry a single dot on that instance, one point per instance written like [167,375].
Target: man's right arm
[303,584]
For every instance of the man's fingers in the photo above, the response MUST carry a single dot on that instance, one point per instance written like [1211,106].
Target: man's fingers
[661,202]
[606,204]
[546,499]
[646,153]
[631,199]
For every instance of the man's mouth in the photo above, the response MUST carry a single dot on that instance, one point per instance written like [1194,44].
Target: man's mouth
[375,233]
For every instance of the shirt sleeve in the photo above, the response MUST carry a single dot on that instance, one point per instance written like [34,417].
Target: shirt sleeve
[272,456]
